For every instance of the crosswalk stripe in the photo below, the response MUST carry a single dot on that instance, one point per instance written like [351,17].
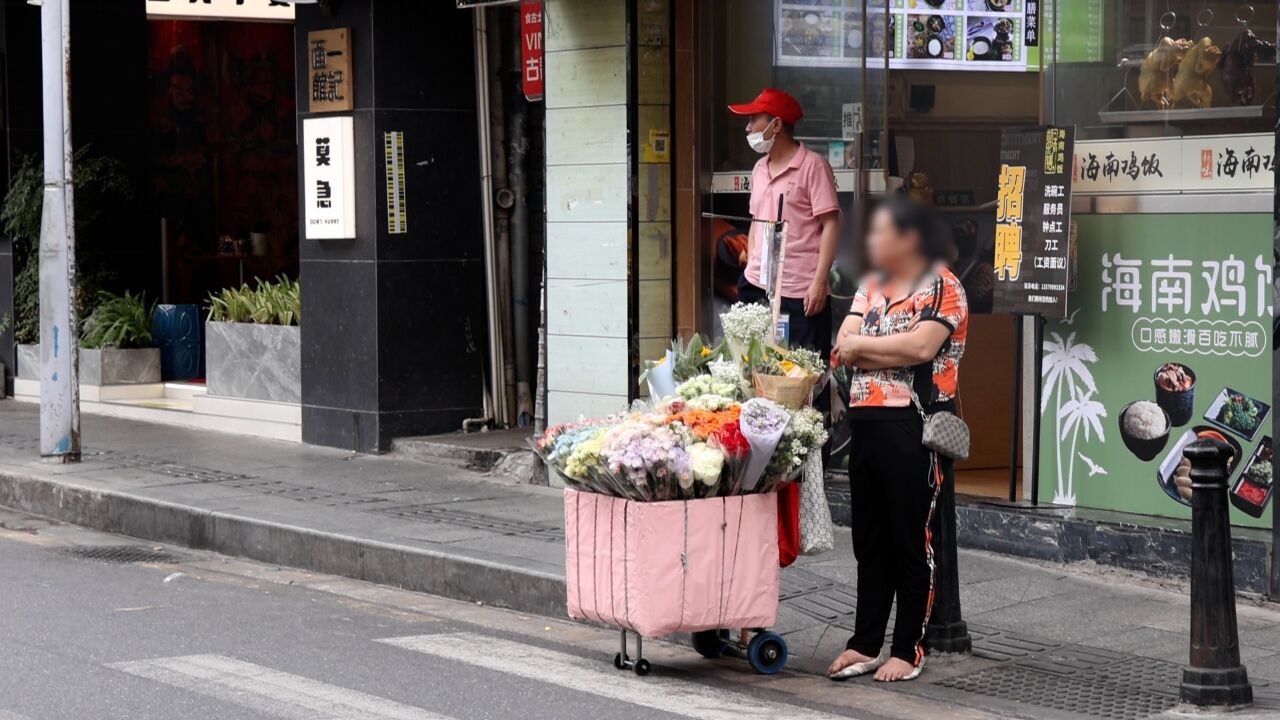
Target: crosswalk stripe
[268,691]
[595,677]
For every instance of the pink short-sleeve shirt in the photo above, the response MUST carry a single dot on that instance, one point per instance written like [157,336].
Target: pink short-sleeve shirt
[810,189]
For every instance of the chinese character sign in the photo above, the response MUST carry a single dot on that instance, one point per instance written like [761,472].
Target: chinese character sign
[1169,339]
[277,10]
[330,83]
[1033,222]
[328,178]
[1201,163]
[531,61]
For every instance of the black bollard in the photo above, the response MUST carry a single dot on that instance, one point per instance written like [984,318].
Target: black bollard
[947,631]
[1215,676]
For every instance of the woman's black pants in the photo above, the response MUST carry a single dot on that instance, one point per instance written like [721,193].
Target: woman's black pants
[894,483]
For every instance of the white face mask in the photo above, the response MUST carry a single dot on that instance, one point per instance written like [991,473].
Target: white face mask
[758,143]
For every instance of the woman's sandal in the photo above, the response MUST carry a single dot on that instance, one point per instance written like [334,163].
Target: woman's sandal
[915,673]
[861,668]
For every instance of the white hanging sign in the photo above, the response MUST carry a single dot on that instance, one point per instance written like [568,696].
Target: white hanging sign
[1194,164]
[329,178]
[221,9]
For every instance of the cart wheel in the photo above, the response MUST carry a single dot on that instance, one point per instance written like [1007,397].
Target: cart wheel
[767,653]
[642,667]
[618,661]
[711,644]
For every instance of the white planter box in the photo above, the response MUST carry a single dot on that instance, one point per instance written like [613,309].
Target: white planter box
[256,362]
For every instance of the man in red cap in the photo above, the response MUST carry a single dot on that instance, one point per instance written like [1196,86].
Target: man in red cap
[810,209]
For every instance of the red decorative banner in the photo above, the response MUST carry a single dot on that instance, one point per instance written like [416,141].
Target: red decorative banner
[531,48]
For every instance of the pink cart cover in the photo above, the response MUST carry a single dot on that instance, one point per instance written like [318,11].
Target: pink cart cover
[664,567]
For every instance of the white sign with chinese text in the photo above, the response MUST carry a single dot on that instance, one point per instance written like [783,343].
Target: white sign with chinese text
[221,9]
[850,121]
[329,178]
[1211,163]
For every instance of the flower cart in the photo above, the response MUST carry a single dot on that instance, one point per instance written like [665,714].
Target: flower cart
[672,509]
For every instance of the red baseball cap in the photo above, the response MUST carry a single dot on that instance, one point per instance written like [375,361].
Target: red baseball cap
[774,102]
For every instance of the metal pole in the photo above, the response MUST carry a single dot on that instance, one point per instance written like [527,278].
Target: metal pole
[1215,675]
[1038,356]
[495,395]
[1015,434]
[59,386]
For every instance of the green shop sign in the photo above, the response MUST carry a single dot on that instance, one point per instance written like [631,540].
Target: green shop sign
[1169,339]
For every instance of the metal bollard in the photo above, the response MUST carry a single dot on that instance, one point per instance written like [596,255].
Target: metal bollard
[1215,675]
[947,631]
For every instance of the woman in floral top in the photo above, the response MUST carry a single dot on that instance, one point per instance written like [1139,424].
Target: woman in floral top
[905,334]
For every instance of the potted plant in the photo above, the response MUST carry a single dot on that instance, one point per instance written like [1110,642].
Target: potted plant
[115,343]
[253,342]
[101,190]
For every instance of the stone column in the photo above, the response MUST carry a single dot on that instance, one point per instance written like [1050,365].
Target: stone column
[393,325]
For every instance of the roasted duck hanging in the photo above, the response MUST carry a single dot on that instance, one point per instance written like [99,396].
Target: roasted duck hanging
[1190,84]
[1155,81]
[1241,55]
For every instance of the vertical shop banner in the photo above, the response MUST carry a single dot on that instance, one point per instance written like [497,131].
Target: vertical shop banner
[1031,23]
[1033,221]
[1169,339]
[329,178]
[531,49]
[393,160]
[329,70]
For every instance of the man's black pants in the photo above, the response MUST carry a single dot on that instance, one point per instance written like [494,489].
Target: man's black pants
[808,332]
[894,482]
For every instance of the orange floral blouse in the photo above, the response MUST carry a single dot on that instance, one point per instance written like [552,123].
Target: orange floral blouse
[938,297]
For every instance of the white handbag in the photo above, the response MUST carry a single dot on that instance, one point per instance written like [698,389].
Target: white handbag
[815,515]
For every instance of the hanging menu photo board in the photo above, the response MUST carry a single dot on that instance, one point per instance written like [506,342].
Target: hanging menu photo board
[991,35]
[1033,221]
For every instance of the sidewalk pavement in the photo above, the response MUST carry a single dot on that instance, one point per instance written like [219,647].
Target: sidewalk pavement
[1050,640]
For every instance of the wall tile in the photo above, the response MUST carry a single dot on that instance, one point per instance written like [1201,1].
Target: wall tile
[655,309]
[655,251]
[587,250]
[578,24]
[340,348]
[653,83]
[592,135]
[596,308]
[655,192]
[569,406]
[587,193]
[586,78]
[587,365]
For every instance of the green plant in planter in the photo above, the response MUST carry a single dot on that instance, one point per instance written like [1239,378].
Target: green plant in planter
[119,321]
[100,188]
[271,303]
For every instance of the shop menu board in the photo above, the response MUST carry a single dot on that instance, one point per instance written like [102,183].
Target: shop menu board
[1168,340]
[1033,221]
[924,34]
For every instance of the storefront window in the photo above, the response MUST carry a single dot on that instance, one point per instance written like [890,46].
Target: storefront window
[1122,69]
[1171,311]
[815,51]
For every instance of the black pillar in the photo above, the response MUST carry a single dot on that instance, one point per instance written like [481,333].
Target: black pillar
[947,631]
[1215,675]
[394,327]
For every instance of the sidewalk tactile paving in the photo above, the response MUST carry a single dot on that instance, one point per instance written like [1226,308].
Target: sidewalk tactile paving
[797,582]
[473,521]
[829,606]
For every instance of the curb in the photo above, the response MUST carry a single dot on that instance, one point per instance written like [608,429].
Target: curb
[399,566]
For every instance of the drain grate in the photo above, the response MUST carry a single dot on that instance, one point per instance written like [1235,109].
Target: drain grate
[473,521]
[1079,695]
[120,554]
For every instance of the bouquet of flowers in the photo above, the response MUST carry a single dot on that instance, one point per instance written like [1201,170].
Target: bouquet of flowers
[804,435]
[681,362]
[784,376]
[744,323]
[762,422]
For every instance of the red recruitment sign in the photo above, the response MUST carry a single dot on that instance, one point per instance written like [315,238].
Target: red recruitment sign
[531,48]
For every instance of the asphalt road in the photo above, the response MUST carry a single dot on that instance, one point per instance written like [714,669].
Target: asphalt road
[214,637]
